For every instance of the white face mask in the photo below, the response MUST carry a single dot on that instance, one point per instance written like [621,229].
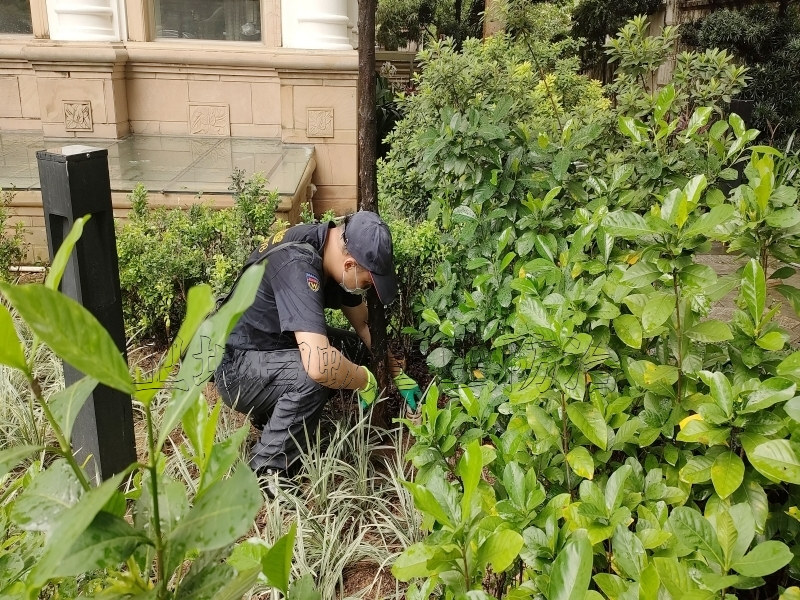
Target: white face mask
[358,291]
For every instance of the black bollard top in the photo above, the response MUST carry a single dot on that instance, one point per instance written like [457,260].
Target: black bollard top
[73,153]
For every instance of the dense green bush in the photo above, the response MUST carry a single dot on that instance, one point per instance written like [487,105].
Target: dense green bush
[766,39]
[164,252]
[12,247]
[605,434]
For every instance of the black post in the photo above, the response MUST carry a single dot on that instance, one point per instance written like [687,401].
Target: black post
[75,182]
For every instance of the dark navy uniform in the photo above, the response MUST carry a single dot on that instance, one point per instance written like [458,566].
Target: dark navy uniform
[261,372]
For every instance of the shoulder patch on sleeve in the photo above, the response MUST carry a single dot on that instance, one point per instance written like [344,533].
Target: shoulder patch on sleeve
[313,282]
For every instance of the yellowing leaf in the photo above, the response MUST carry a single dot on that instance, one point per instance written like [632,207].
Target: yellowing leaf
[522,273]
[478,374]
[694,417]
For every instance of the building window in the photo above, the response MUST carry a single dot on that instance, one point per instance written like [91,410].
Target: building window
[15,17]
[234,20]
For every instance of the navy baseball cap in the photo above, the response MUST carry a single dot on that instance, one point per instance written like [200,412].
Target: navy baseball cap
[369,241]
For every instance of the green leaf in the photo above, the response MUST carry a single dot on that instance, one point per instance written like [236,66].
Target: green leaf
[572,569]
[707,222]
[615,487]
[792,294]
[628,330]
[66,403]
[205,350]
[626,224]
[413,562]
[301,589]
[205,583]
[769,392]
[693,189]
[469,469]
[561,163]
[727,473]
[11,457]
[710,332]
[215,521]
[629,127]
[430,316]
[663,102]
[778,460]
[774,341]
[658,309]
[106,543]
[581,462]
[49,494]
[697,469]
[790,367]
[11,352]
[439,358]
[590,423]
[277,562]
[698,119]
[641,274]
[61,258]
[222,457]
[72,332]
[721,390]
[764,559]
[70,524]
[427,503]
[694,531]
[754,289]
[500,550]
[199,303]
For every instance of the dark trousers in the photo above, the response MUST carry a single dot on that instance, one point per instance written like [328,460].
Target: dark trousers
[273,388]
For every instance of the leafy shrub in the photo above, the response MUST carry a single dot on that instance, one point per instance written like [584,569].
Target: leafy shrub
[604,433]
[12,248]
[767,41]
[161,540]
[164,252]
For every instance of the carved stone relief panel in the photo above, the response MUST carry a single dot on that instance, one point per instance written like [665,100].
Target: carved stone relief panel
[320,122]
[78,115]
[209,119]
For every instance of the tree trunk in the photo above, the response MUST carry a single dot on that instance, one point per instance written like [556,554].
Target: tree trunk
[368,185]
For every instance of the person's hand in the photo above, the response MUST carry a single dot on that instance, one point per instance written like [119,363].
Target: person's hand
[409,389]
[369,394]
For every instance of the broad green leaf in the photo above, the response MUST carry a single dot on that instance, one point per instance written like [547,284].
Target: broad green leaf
[774,341]
[764,559]
[628,552]
[572,569]
[106,543]
[11,457]
[500,550]
[792,294]
[301,589]
[561,163]
[658,309]
[49,494]
[754,289]
[695,532]
[628,330]
[205,350]
[641,274]
[772,391]
[790,593]
[439,358]
[469,469]
[742,517]
[205,584]
[277,562]
[11,352]
[199,302]
[223,456]
[71,523]
[615,487]
[626,224]
[674,575]
[427,503]
[698,119]
[777,459]
[413,562]
[727,473]
[66,403]
[693,189]
[72,332]
[61,258]
[581,462]
[790,367]
[629,127]
[590,423]
[664,100]
[215,521]
[721,390]
[707,222]
[710,332]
